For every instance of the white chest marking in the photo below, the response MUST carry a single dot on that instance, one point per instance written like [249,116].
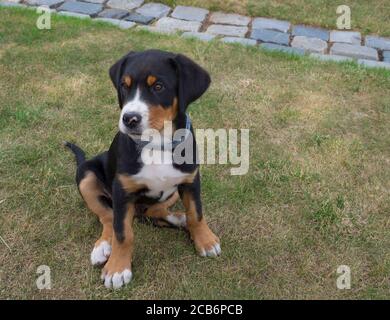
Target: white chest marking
[159,177]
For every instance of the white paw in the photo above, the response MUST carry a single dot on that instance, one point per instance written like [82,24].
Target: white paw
[100,253]
[213,252]
[177,220]
[118,279]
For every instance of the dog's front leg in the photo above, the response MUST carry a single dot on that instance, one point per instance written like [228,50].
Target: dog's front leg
[117,271]
[206,242]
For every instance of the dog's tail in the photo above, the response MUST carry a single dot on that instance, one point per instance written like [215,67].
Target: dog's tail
[78,152]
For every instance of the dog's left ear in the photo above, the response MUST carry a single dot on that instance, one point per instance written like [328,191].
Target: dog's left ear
[193,81]
[116,72]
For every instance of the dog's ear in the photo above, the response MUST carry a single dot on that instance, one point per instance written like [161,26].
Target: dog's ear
[193,81]
[116,72]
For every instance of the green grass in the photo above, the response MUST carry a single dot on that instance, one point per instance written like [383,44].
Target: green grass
[366,16]
[316,195]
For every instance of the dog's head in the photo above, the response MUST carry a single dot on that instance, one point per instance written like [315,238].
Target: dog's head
[155,86]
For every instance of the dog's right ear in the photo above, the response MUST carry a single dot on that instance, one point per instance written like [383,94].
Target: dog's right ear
[116,72]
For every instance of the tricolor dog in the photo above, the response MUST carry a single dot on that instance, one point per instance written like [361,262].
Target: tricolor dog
[154,87]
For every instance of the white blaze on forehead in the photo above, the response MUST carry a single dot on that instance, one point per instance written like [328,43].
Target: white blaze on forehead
[135,105]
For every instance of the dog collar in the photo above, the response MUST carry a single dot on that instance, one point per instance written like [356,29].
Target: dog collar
[171,145]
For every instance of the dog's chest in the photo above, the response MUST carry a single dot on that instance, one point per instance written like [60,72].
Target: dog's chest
[160,177]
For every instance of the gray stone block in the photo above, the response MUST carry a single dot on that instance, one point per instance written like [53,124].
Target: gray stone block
[113,13]
[271,24]
[125,4]
[96,1]
[374,64]
[10,4]
[190,13]
[378,42]
[345,37]
[328,57]
[139,18]
[91,9]
[199,35]
[312,32]
[74,14]
[310,44]
[354,51]
[386,56]
[234,31]
[156,30]
[49,3]
[229,18]
[243,41]
[277,47]
[168,23]
[155,10]
[271,36]
[119,23]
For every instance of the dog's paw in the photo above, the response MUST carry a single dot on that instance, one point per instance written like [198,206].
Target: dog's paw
[118,279]
[207,243]
[117,272]
[177,219]
[100,253]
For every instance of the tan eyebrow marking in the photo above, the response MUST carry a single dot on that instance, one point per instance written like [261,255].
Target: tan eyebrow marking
[127,80]
[151,80]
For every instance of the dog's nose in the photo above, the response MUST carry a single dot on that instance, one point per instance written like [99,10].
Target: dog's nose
[131,119]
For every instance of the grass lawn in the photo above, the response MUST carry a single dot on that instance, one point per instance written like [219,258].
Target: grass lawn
[367,16]
[317,194]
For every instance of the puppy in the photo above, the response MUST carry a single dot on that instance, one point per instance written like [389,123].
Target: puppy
[154,87]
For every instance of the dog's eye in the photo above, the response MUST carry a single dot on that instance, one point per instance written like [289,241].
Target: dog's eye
[158,87]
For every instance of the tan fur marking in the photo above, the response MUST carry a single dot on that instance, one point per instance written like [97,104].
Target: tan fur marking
[122,252]
[151,80]
[190,179]
[160,210]
[127,81]
[90,190]
[129,184]
[200,233]
[159,114]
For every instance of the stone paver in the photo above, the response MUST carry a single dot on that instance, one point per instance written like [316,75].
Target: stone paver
[190,13]
[125,4]
[74,14]
[374,64]
[386,56]
[359,52]
[139,18]
[243,41]
[119,23]
[155,29]
[91,9]
[378,42]
[113,13]
[10,4]
[155,10]
[271,36]
[328,57]
[310,44]
[306,31]
[169,23]
[198,35]
[277,47]
[229,18]
[271,24]
[345,37]
[9,1]
[49,3]
[96,1]
[234,31]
